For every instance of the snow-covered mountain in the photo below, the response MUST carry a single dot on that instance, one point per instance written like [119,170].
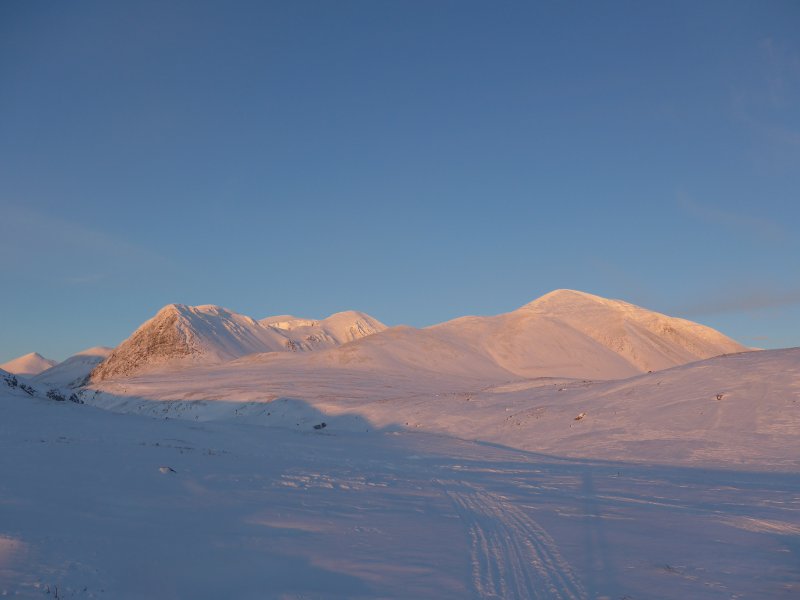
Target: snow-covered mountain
[74,371]
[338,329]
[562,334]
[536,365]
[478,447]
[181,335]
[28,364]
[573,334]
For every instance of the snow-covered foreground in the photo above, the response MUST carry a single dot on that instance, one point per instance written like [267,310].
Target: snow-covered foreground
[738,410]
[98,504]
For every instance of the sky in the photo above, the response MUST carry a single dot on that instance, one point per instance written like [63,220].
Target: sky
[418,161]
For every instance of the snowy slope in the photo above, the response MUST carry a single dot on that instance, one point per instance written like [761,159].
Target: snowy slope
[670,416]
[562,334]
[182,335]
[28,364]
[8,380]
[444,470]
[647,340]
[103,505]
[727,411]
[335,330]
[573,334]
[413,352]
[72,372]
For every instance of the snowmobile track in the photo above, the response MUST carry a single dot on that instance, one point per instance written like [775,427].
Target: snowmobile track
[512,556]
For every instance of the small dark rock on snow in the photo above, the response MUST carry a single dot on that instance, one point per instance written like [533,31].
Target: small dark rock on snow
[55,395]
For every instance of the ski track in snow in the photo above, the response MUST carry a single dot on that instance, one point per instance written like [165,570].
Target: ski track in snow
[512,555]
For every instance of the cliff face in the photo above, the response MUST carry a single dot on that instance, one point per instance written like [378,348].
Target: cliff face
[164,338]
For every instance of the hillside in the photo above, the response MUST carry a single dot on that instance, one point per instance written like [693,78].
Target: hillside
[672,416]
[97,504]
[74,371]
[573,334]
[180,335]
[562,334]
[338,472]
[338,329]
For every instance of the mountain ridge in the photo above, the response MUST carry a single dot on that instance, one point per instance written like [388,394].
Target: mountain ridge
[180,334]
[565,333]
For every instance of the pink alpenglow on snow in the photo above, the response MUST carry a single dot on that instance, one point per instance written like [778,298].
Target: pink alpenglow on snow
[28,364]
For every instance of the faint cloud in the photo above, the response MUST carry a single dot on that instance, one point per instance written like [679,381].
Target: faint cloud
[778,134]
[768,341]
[40,246]
[747,224]
[88,279]
[743,302]
[780,66]
[766,105]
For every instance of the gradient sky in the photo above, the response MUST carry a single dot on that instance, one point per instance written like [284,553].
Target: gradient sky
[418,161]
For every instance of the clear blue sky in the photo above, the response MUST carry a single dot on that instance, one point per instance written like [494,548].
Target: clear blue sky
[415,160]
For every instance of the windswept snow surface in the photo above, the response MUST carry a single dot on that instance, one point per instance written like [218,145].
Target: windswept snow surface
[28,364]
[95,504]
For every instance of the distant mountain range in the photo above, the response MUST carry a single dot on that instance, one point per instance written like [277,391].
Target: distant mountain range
[190,335]
[564,334]
[568,373]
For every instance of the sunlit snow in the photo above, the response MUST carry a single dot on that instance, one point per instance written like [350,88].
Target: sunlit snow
[575,448]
